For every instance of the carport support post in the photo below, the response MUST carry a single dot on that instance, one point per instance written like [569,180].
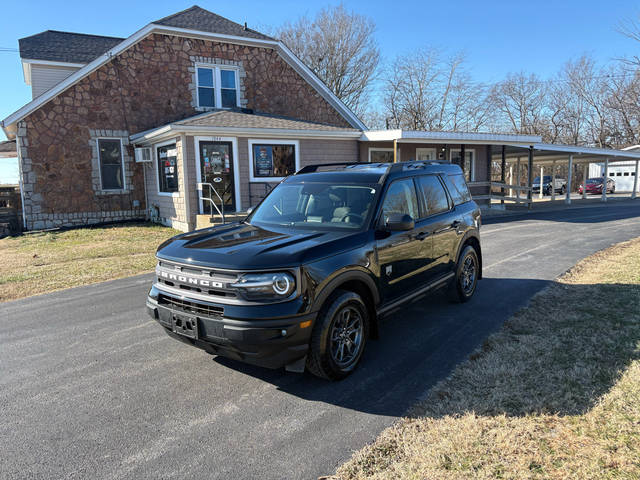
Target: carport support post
[635,181]
[518,184]
[503,166]
[604,180]
[585,175]
[395,150]
[553,180]
[530,177]
[541,181]
[567,198]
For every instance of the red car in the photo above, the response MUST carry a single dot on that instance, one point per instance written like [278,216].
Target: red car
[594,185]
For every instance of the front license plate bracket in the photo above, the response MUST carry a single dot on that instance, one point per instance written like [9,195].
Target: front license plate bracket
[185,325]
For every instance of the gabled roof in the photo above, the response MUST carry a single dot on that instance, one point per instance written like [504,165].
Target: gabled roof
[238,122]
[68,47]
[196,18]
[242,38]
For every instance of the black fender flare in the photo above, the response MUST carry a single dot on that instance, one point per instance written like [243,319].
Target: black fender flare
[361,275]
[470,234]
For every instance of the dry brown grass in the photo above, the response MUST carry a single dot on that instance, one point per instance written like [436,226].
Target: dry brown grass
[44,262]
[554,394]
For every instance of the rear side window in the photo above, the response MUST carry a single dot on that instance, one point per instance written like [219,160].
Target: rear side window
[458,189]
[433,194]
[401,198]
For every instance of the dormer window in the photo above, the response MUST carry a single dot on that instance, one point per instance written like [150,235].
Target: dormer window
[217,86]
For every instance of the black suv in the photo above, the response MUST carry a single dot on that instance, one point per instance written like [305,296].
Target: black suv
[305,279]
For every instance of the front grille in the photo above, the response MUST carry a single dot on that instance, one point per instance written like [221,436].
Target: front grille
[201,280]
[190,307]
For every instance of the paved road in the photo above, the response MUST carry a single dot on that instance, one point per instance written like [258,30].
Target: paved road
[90,388]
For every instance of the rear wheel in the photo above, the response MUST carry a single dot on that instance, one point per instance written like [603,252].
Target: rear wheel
[464,285]
[339,336]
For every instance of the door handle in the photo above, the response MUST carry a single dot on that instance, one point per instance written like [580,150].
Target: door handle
[422,235]
[456,224]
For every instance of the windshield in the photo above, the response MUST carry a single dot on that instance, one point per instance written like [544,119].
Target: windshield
[320,206]
[592,181]
[547,178]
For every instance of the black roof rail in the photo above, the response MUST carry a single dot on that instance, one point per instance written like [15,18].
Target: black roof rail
[339,165]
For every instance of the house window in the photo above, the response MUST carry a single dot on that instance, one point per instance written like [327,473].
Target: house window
[272,160]
[469,162]
[167,168]
[425,154]
[111,163]
[381,155]
[217,87]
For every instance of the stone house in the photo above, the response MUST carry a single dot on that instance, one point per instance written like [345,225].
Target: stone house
[191,116]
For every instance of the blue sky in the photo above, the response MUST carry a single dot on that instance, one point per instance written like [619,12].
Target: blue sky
[498,36]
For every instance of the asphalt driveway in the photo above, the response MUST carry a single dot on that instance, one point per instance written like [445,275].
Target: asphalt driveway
[92,388]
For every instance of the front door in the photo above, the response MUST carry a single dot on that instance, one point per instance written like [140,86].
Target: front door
[216,168]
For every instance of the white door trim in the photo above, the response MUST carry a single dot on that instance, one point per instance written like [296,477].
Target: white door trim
[236,168]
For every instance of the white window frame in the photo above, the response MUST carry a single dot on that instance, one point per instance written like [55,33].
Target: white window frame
[124,173]
[266,141]
[381,149]
[217,84]
[155,161]
[472,177]
[434,151]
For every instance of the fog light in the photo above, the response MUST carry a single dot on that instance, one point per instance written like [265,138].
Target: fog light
[283,333]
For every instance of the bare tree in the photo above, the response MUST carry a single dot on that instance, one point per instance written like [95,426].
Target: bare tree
[340,47]
[520,102]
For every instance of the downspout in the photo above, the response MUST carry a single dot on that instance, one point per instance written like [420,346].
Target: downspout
[20,184]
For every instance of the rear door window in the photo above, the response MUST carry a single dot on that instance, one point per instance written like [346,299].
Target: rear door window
[400,198]
[458,189]
[433,194]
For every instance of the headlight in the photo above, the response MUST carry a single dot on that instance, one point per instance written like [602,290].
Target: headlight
[265,286]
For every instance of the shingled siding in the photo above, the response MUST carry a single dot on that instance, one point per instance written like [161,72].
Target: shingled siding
[171,208]
[144,87]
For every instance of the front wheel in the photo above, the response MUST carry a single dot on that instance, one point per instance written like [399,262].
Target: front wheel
[563,190]
[464,284]
[339,336]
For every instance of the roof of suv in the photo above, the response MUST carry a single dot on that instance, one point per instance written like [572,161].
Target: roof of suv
[375,172]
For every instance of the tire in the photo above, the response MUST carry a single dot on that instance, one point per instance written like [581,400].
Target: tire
[465,282]
[330,336]
[563,190]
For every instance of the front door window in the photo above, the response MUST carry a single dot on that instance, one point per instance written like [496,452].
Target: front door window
[216,168]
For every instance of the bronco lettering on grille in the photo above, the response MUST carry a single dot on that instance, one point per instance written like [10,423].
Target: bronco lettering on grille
[191,280]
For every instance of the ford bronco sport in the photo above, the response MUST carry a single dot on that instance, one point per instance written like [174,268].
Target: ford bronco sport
[305,279]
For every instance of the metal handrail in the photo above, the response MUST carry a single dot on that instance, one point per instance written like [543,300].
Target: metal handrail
[212,188]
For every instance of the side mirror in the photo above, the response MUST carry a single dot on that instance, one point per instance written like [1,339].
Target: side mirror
[400,222]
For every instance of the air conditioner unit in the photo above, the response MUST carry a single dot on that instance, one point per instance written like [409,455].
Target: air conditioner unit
[143,154]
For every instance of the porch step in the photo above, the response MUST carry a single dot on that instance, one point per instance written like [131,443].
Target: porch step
[205,221]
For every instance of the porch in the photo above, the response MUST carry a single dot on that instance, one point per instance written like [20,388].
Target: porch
[212,167]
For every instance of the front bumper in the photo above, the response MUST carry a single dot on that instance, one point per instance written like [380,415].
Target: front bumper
[267,343]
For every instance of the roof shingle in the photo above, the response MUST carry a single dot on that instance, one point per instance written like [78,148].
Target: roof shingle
[235,119]
[65,46]
[197,18]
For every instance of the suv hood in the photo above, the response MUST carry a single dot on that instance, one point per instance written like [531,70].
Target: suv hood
[242,246]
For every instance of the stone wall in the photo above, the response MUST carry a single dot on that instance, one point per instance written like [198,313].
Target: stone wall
[146,86]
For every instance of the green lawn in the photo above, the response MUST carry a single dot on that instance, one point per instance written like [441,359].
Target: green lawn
[44,262]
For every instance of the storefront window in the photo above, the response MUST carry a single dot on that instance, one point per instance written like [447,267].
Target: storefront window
[273,160]
[167,168]
[469,163]
[381,155]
